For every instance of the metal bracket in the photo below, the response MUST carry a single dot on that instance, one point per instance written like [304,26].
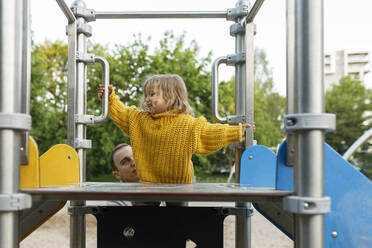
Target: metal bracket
[234,13]
[235,211]
[17,121]
[237,28]
[235,119]
[83,143]
[88,14]
[83,210]
[87,58]
[234,59]
[310,121]
[14,202]
[241,145]
[307,205]
[84,119]
[84,28]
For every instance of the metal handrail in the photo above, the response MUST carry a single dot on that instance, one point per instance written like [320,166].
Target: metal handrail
[357,144]
[106,82]
[215,65]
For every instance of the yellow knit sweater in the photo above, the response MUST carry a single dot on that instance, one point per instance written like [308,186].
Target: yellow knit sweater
[163,143]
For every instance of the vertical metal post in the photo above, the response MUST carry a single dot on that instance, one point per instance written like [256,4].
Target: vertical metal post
[77,131]
[310,99]
[26,76]
[291,89]
[249,89]
[10,103]
[243,223]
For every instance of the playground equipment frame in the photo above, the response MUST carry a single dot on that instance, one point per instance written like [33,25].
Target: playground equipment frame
[305,96]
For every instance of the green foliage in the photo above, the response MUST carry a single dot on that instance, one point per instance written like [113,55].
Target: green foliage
[351,101]
[269,105]
[48,94]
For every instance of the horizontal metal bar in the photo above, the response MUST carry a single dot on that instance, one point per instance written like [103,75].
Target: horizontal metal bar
[159,14]
[66,10]
[253,12]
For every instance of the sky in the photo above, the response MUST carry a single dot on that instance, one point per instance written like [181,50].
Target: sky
[346,26]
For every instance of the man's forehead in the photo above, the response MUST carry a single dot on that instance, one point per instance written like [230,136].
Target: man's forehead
[123,152]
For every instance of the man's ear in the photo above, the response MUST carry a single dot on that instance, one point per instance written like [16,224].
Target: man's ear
[117,175]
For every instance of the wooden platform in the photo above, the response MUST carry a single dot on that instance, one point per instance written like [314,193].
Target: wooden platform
[159,192]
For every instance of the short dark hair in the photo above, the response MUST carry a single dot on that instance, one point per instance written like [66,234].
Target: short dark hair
[111,157]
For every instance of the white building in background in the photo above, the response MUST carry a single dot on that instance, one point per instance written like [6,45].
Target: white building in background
[343,63]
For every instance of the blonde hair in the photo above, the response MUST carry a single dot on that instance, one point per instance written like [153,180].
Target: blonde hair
[174,92]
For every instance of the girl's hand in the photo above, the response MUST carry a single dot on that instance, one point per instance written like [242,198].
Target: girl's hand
[247,125]
[101,91]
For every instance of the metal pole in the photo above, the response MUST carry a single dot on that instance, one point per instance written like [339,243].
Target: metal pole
[254,10]
[310,99]
[10,103]
[243,223]
[158,14]
[77,222]
[291,86]
[26,76]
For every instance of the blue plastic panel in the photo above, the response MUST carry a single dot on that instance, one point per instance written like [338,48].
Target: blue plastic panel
[258,167]
[351,199]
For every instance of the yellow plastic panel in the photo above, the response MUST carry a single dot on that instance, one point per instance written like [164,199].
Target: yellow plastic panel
[29,174]
[59,166]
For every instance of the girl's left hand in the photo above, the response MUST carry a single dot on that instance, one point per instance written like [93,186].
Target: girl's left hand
[247,125]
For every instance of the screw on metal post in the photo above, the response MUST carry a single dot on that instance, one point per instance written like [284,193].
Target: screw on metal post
[17,121]
[84,119]
[237,211]
[235,119]
[238,12]
[128,232]
[235,59]
[309,121]
[88,14]
[83,143]
[14,202]
[84,28]
[307,205]
[237,28]
[87,58]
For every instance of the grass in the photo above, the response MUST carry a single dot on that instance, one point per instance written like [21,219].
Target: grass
[212,178]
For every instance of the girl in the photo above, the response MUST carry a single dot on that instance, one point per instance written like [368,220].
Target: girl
[164,134]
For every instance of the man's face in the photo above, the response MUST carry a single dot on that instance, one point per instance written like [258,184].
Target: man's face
[124,162]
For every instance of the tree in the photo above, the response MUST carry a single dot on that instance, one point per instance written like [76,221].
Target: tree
[48,94]
[351,101]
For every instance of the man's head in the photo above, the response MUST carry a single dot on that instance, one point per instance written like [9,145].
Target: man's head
[122,163]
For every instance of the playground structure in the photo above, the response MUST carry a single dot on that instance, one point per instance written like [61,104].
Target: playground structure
[293,189]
